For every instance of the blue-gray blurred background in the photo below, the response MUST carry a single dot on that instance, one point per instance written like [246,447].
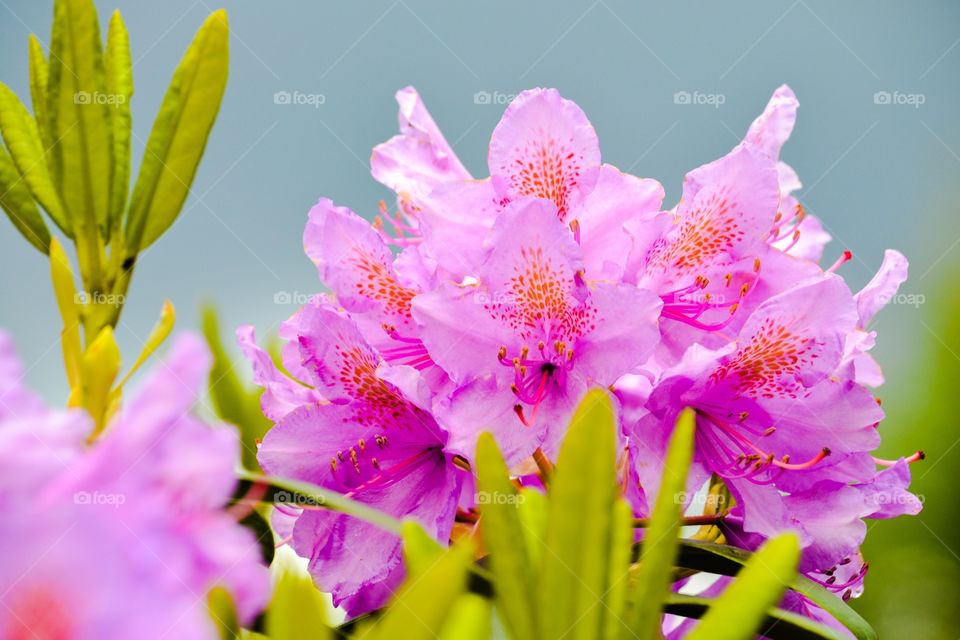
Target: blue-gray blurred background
[880,169]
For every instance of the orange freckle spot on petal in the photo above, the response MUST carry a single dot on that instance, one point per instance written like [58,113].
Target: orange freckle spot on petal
[704,233]
[378,282]
[769,364]
[547,168]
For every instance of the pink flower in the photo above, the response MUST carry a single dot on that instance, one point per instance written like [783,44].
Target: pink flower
[374,439]
[532,333]
[137,519]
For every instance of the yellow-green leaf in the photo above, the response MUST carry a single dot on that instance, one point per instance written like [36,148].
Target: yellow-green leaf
[65,291]
[179,134]
[22,138]
[224,613]
[17,202]
[420,551]
[660,540]
[233,400]
[471,618]
[100,366]
[726,560]
[502,529]
[78,116]
[532,510]
[582,494]
[615,595]
[158,334]
[422,604]
[119,71]
[38,87]
[739,611]
[297,610]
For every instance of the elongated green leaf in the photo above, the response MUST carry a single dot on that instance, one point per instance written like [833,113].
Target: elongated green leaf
[582,494]
[471,618]
[303,493]
[39,72]
[779,624]
[727,560]
[16,200]
[615,595]
[224,613]
[422,605]
[419,550]
[296,611]
[233,401]
[179,134]
[660,541]
[157,335]
[741,609]
[119,72]
[22,138]
[77,112]
[532,509]
[502,528]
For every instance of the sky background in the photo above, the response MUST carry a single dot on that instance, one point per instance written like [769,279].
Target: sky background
[878,174]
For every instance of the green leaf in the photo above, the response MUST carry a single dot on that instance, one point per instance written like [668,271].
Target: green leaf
[299,493]
[471,618]
[16,200]
[232,400]
[659,551]
[615,596]
[65,293]
[533,509]
[779,624]
[224,613]
[727,560]
[577,546]
[419,550]
[422,604]
[179,134]
[39,72]
[743,606]
[22,138]
[161,330]
[78,116]
[502,527]
[297,610]
[119,70]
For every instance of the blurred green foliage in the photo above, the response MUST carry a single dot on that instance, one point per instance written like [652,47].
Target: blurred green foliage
[913,586]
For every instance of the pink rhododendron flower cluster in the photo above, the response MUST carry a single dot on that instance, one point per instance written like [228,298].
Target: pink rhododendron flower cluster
[494,304]
[123,538]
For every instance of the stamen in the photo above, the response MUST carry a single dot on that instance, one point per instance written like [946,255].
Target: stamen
[406,229]
[845,257]
[751,460]
[414,353]
[916,457]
